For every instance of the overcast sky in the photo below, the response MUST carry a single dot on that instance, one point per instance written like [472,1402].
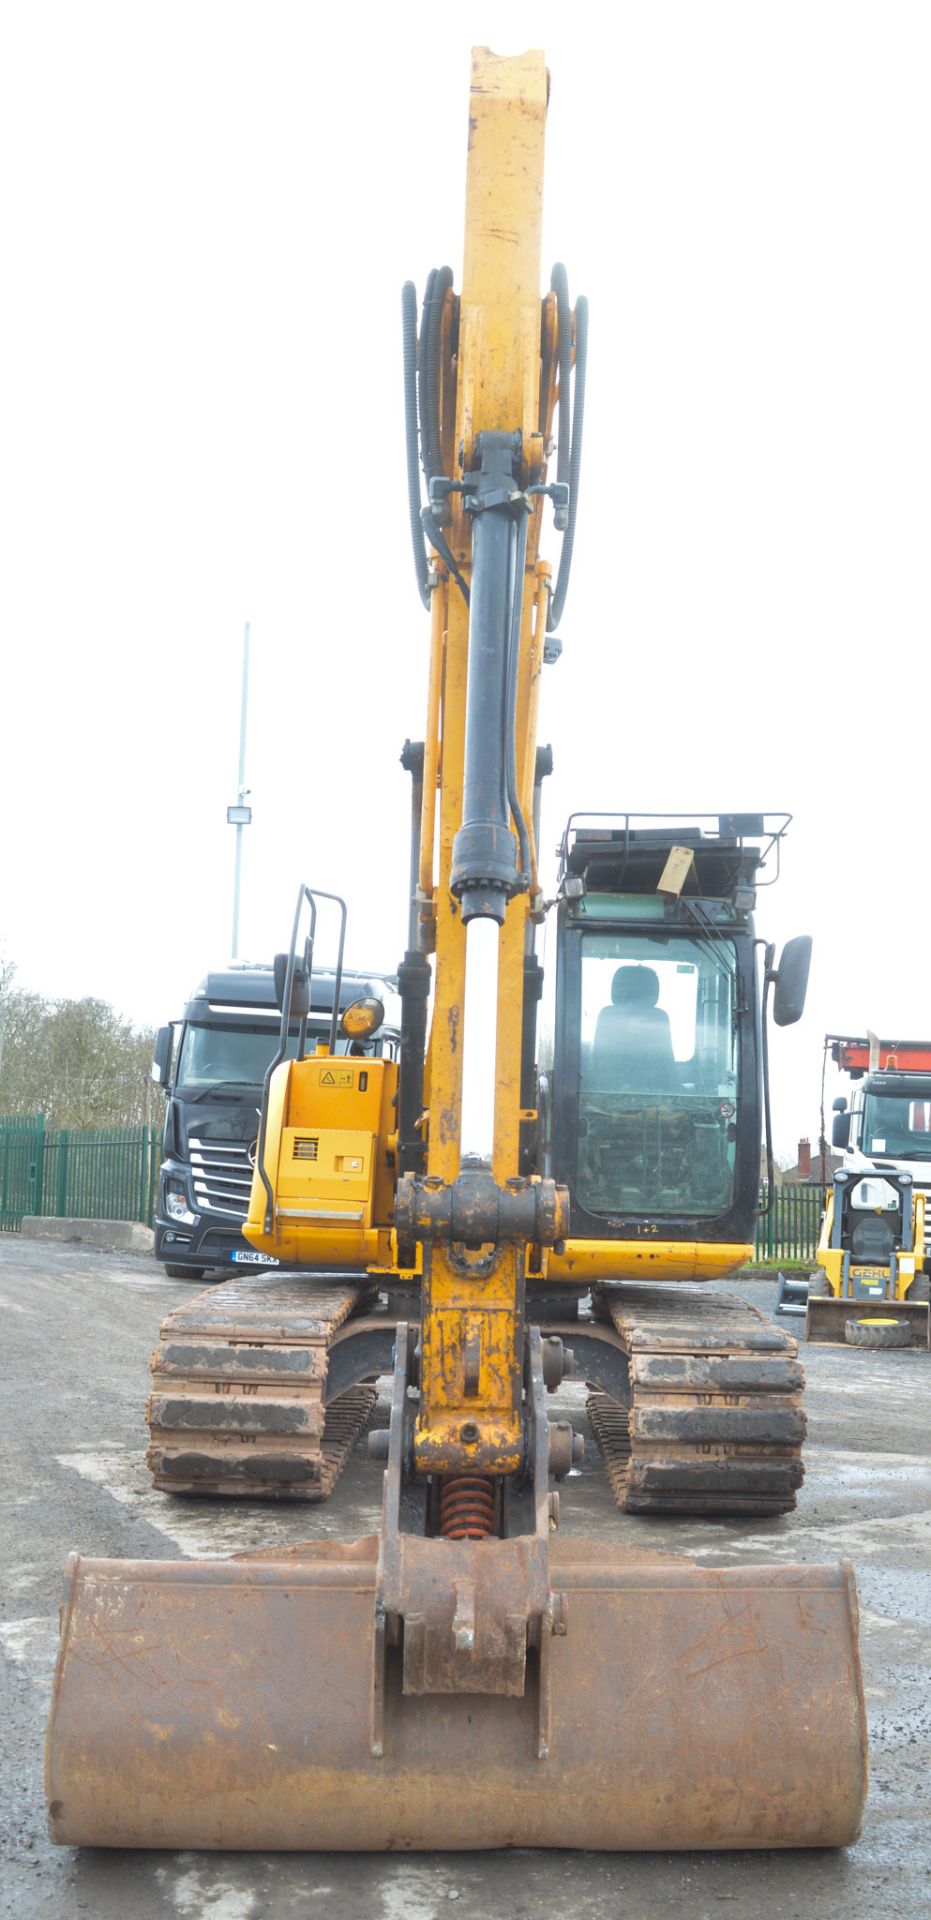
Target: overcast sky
[208,213]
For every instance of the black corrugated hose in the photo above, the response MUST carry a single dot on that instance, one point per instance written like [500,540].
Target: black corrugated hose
[559,284]
[425,313]
[438,287]
[515,610]
[409,342]
[575,460]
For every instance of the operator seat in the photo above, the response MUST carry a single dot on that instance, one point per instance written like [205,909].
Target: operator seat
[632,1049]
[874,1238]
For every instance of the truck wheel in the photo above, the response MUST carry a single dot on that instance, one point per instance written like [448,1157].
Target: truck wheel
[184,1273]
[878,1333]
[919,1293]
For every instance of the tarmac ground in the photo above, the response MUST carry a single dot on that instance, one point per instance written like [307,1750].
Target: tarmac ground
[79,1326]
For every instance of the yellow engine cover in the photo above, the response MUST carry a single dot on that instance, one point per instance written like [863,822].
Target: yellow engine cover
[329,1157]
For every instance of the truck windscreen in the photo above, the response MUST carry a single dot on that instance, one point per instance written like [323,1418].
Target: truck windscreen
[211,1055]
[897,1126]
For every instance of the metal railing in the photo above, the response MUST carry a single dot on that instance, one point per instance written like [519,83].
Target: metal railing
[21,1164]
[788,1234]
[113,1175]
[95,1174]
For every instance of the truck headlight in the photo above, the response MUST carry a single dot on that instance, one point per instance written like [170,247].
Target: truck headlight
[176,1205]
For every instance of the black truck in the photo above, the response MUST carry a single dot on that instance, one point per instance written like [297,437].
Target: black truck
[212,1065]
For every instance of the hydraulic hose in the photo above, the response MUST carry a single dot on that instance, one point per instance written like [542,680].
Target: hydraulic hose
[423,411]
[409,347]
[518,557]
[575,462]
[434,301]
[439,541]
[559,283]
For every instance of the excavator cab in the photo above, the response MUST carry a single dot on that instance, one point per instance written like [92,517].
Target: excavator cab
[653,1060]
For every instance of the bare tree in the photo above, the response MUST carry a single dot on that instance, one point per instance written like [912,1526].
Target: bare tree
[78,1062]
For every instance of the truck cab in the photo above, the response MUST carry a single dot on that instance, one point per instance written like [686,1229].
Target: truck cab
[884,1125]
[211,1064]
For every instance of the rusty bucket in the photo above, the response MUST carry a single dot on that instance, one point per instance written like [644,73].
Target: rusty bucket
[211,1704]
[826,1318]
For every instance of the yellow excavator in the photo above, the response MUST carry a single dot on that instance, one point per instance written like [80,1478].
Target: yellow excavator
[471,1677]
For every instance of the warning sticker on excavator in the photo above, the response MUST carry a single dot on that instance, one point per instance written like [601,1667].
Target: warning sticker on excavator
[337,1077]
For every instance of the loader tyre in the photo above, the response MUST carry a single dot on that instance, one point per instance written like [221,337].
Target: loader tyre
[878,1333]
[184,1273]
[919,1293]
[819,1286]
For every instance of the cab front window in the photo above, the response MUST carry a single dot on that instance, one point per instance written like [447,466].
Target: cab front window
[658,1074]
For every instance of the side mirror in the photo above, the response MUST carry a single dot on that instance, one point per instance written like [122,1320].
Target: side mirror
[840,1104]
[300,987]
[161,1059]
[791,983]
[840,1131]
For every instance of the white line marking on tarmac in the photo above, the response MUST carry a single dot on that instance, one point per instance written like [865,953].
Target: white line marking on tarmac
[859,1539]
[201,1531]
[198,1894]
[411,1893]
[32,1644]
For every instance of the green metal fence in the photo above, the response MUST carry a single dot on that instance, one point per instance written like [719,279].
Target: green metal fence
[97,1174]
[788,1234]
[21,1159]
[113,1175]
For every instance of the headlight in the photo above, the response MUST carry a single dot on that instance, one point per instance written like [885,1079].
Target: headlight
[176,1205]
[362,1018]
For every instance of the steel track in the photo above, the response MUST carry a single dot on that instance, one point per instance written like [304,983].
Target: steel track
[238,1404]
[715,1422]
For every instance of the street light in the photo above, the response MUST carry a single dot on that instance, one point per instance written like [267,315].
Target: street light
[240,815]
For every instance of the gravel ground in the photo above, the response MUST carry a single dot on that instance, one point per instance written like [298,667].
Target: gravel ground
[79,1327]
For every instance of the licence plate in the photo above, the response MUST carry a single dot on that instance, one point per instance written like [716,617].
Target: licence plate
[252,1259]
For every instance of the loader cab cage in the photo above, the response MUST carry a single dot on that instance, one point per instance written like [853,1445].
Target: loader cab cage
[656,1118]
[872,1219]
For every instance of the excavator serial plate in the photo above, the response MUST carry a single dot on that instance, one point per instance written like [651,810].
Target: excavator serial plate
[715,1423]
[239,1402]
[210,1704]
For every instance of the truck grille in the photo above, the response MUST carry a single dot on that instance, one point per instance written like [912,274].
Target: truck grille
[222,1173]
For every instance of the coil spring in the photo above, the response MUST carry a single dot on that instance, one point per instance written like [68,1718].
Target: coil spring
[467,1506]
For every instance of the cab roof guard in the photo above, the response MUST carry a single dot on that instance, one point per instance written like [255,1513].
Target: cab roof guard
[626,834]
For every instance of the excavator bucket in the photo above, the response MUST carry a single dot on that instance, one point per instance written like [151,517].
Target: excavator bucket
[201,1704]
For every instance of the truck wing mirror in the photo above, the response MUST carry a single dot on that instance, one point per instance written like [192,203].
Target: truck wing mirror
[791,983]
[840,1131]
[161,1058]
[840,1104]
[300,987]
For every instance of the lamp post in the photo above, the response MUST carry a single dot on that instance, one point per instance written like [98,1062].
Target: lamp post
[239,815]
